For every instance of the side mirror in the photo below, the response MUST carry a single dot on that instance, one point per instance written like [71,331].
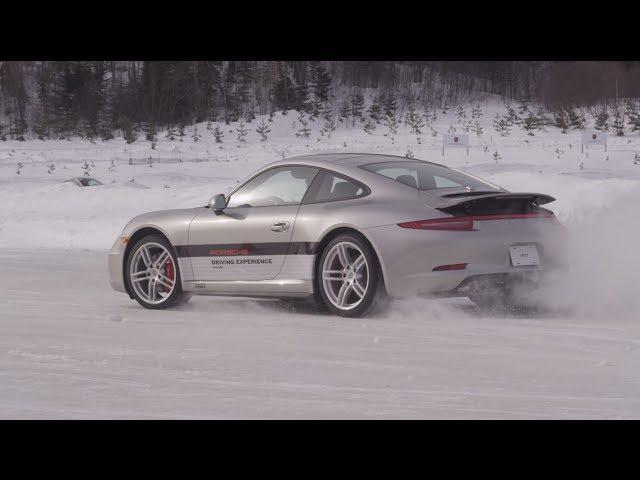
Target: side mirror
[218,203]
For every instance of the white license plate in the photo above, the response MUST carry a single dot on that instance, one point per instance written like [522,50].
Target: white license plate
[522,255]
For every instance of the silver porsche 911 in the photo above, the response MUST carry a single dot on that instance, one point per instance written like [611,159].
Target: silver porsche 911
[347,232]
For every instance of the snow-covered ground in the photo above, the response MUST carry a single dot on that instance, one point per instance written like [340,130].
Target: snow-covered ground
[71,347]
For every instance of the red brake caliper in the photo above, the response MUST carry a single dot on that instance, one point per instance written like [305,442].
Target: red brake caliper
[170,273]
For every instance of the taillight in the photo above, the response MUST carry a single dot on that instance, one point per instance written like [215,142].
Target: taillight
[466,223]
[450,223]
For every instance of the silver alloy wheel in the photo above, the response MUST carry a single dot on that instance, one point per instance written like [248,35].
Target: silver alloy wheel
[345,275]
[152,273]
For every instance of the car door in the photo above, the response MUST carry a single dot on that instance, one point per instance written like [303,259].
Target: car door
[249,239]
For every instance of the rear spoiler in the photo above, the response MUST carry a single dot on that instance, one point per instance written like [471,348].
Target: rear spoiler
[537,198]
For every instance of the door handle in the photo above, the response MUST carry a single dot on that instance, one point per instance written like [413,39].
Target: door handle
[280,226]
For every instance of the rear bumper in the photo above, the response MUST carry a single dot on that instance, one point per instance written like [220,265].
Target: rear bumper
[408,257]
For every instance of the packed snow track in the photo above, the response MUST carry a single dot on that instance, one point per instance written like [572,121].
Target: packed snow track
[70,347]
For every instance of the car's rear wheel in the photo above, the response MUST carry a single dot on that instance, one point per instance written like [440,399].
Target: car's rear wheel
[349,279]
[152,274]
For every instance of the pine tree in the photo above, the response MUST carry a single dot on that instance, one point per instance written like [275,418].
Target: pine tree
[322,85]
[476,112]
[618,123]
[415,121]
[531,124]
[242,132]
[127,129]
[576,119]
[344,112]
[329,124]
[461,114]
[477,128]
[151,134]
[389,105]
[195,135]
[560,120]
[263,130]
[304,131]
[218,134]
[375,112]
[602,120]
[171,133]
[357,106]
[632,111]
[392,123]
[512,116]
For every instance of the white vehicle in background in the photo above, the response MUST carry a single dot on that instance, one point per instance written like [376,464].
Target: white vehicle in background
[84,181]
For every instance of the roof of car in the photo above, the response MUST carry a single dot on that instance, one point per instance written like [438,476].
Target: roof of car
[353,159]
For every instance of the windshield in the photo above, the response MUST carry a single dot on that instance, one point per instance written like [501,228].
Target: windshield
[429,176]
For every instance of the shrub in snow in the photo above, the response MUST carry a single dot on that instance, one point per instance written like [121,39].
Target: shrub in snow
[218,134]
[195,135]
[369,127]
[20,166]
[409,153]
[461,114]
[451,129]
[263,130]
[86,169]
[242,132]
[496,156]
[51,167]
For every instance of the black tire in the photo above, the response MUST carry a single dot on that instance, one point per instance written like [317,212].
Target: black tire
[375,299]
[177,296]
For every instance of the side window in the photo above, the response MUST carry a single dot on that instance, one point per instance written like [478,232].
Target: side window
[275,187]
[329,187]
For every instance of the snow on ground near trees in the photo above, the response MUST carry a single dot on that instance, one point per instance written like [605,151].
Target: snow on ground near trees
[71,347]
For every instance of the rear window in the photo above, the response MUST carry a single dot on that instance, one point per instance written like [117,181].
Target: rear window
[427,176]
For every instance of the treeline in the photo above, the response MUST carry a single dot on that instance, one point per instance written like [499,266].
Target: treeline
[100,99]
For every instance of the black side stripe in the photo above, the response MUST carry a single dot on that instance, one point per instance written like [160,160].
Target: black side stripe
[253,249]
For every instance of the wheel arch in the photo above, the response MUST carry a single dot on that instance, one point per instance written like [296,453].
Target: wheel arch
[339,230]
[135,236]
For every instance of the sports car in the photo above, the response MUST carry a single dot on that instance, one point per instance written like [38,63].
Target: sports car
[347,232]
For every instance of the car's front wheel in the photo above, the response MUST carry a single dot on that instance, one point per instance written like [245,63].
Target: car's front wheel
[349,279]
[152,273]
